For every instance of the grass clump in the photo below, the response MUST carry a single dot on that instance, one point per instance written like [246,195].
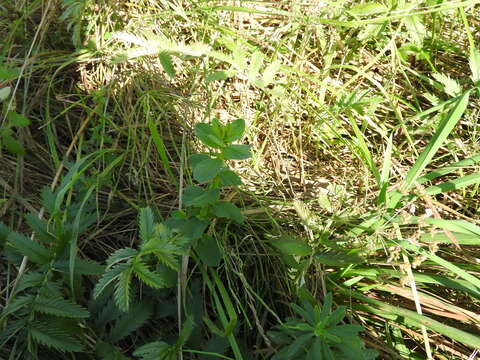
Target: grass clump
[359,200]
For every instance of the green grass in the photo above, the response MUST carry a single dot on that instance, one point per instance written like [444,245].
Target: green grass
[362,117]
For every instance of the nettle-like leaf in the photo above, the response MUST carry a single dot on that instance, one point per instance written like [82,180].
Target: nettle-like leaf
[149,277]
[122,292]
[60,307]
[26,247]
[147,224]
[110,277]
[54,335]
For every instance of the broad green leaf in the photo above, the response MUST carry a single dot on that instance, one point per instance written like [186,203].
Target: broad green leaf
[474,62]
[228,210]
[195,159]
[291,245]
[237,152]
[229,178]
[208,251]
[17,119]
[12,145]
[207,169]
[234,130]
[167,64]
[206,135]
[197,196]
[369,8]
[5,93]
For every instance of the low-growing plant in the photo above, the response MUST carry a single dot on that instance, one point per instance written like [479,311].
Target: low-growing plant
[318,333]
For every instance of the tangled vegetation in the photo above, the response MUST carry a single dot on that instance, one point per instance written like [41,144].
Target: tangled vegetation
[239,179]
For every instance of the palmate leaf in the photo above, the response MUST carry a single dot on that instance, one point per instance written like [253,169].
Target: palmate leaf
[52,335]
[138,315]
[59,307]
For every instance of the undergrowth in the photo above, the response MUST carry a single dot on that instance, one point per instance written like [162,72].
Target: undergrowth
[138,224]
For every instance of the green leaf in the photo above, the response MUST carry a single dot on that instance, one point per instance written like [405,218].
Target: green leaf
[4,232]
[17,120]
[474,62]
[122,290]
[441,134]
[216,76]
[297,346]
[369,8]
[40,227]
[234,130]
[110,276]
[82,267]
[333,258]
[208,251]
[195,159]
[228,210]
[207,136]
[147,224]
[148,277]
[153,351]
[291,245]
[52,335]
[237,152]
[59,307]
[229,178]
[31,249]
[416,29]
[256,63]
[166,61]
[455,184]
[12,145]
[269,73]
[5,93]
[207,169]
[138,315]
[197,196]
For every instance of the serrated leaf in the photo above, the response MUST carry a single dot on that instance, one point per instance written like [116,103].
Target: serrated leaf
[12,145]
[51,335]
[59,307]
[167,64]
[17,119]
[207,136]
[369,8]
[234,130]
[416,29]
[270,72]
[110,276]
[18,303]
[450,86]
[207,169]
[208,251]
[229,178]
[31,249]
[138,315]
[197,196]
[146,224]
[122,290]
[474,61]
[4,232]
[228,210]
[5,93]
[148,277]
[237,152]
[256,63]
[82,267]
[40,227]
[291,245]
[153,350]
[120,255]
